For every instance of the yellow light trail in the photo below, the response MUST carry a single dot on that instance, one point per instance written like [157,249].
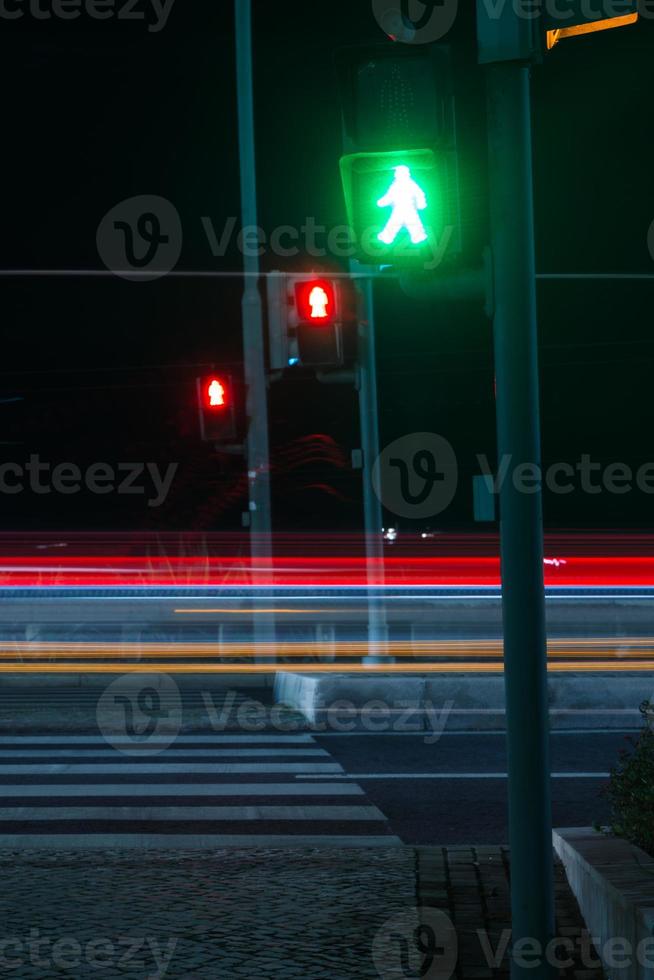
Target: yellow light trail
[311,652]
[246,612]
[639,647]
[574,653]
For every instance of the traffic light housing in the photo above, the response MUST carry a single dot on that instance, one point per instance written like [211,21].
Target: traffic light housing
[305,318]
[216,406]
[400,167]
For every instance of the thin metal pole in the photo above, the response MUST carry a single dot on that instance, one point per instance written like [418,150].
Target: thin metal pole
[258,456]
[369,423]
[521,525]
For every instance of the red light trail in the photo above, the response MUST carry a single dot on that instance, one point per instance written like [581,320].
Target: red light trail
[328,572]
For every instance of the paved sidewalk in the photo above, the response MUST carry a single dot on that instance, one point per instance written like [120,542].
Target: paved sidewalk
[83,709]
[255,913]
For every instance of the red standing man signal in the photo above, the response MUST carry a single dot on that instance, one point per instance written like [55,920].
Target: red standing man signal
[216,392]
[216,408]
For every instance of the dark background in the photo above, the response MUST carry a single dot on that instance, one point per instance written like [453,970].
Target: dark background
[99,111]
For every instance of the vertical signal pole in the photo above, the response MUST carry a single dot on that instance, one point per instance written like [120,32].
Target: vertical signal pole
[521,525]
[257,449]
[369,420]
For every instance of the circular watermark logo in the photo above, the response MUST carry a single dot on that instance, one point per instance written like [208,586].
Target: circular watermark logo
[140,714]
[416,476]
[415,21]
[418,942]
[140,239]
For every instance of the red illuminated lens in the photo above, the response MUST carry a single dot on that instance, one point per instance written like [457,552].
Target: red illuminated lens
[316,301]
[215,394]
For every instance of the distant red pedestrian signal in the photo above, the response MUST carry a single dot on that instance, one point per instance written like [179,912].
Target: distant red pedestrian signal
[306,311]
[216,394]
[216,408]
[315,301]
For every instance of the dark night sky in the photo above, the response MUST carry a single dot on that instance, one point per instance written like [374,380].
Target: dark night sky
[96,112]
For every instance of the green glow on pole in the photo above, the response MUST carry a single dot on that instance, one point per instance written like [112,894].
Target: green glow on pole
[407,198]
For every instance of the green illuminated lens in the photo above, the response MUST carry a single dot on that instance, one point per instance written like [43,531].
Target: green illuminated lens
[395,204]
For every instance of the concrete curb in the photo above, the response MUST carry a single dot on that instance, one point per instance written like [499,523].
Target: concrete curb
[613,882]
[459,702]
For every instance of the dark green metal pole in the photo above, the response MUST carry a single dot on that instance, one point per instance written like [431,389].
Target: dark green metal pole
[372,508]
[518,435]
[254,365]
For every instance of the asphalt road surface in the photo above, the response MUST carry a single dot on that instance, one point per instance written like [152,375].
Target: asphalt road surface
[454,791]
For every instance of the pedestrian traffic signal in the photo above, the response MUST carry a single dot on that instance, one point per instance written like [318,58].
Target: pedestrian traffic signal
[305,320]
[400,167]
[216,393]
[216,408]
[315,301]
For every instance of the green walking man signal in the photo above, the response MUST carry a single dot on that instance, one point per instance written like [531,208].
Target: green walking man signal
[406,198]
[399,207]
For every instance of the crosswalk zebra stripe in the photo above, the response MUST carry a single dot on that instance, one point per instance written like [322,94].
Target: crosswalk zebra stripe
[154,768]
[236,753]
[143,841]
[157,768]
[55,740]
[63,790]
[230,791]
[181,813]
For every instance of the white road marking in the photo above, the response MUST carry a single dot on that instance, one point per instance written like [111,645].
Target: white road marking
[156,797]
[137,790]
[190,813]
[460,775]
[75,841]
[47,753]
[162,768]
[300,739]
[421,733]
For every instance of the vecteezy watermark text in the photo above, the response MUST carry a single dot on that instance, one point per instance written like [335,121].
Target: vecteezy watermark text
[339,716]
[154,12]
[586,475]
[417,476]
[141,714]
[430,948]
[318,241]
[140,239]
[44,478]
[125,953]
[616,953]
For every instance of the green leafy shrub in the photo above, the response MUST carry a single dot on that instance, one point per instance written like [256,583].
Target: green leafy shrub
[630,790]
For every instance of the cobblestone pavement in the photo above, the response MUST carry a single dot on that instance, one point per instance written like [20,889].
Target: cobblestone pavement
[257,913]
[471,885]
